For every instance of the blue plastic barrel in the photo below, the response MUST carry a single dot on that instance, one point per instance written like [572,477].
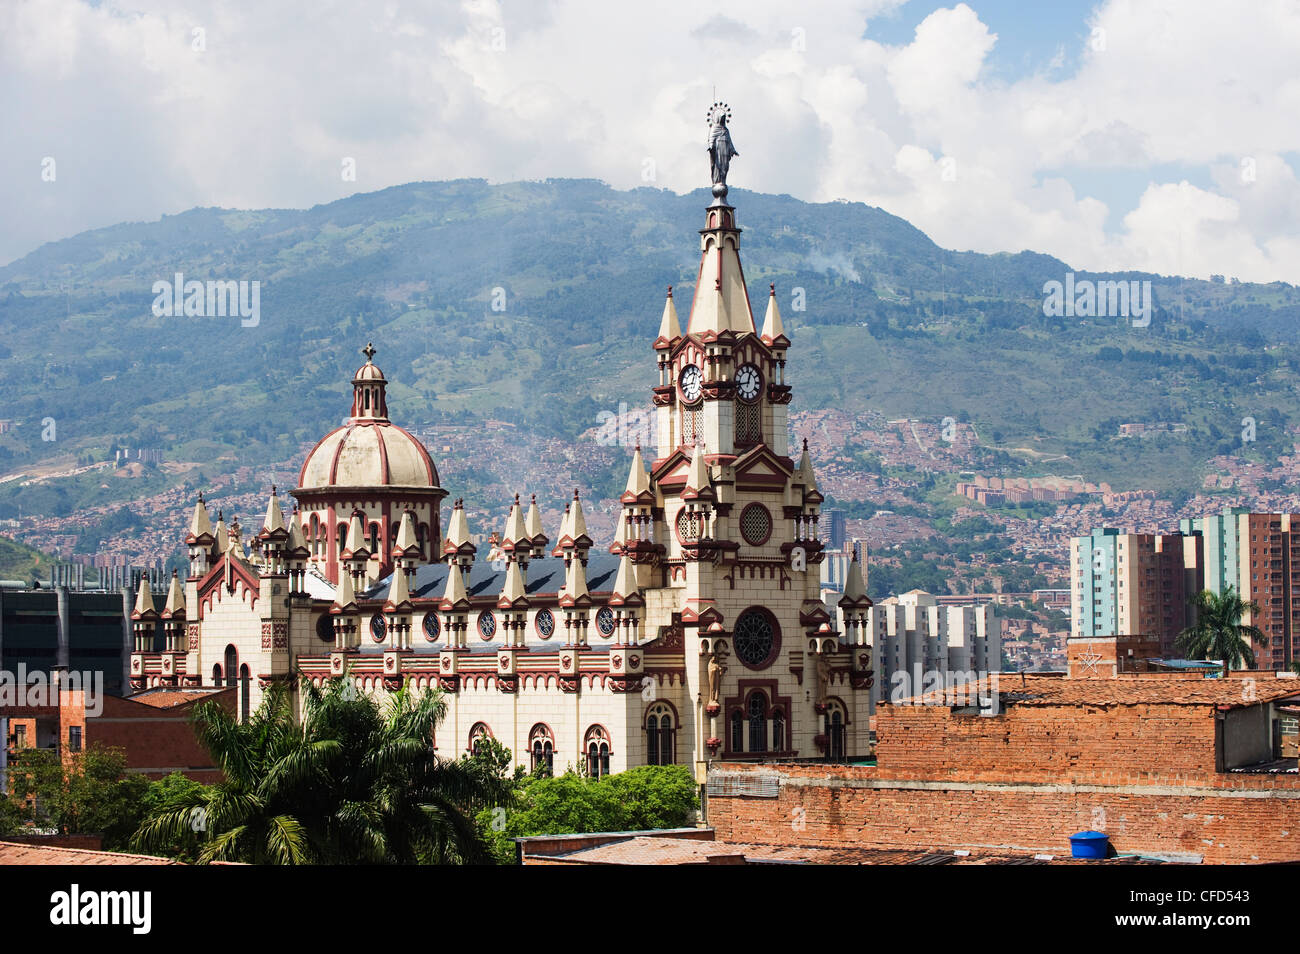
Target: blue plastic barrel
[1089,844]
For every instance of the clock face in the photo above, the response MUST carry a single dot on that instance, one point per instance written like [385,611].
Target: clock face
[692,380]
[748,382]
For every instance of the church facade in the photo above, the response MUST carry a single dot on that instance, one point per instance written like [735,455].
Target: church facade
[698,632]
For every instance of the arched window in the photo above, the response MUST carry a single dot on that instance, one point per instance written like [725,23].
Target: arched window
[232,665]
[597,745]
[659,735]
[833,726]
[216,674]
[374,538]
[419,538]
[541,744]
[478,734]
[315,537]
[737,731]
[778,730]
[342,537]
[757,707]
[243,693]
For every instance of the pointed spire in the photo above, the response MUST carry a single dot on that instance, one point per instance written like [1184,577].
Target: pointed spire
[454,595]
[620,534]
[516,534]
[345,596]
[297,539]
[577,522]
[458,531]
[855,590]
[698,481]
[355,545]
[773,328]
[200,524]
[273,525]
[806,475]
[144,605]
[513,593]
[406,543]
[175,606]
[638,481]
[220,537]
[669,327]
[399,594]
[625,585]
[575,585]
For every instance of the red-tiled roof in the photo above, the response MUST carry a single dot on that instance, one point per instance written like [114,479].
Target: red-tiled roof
[13,853]
[170,698]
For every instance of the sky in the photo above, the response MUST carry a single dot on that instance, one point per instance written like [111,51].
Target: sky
[1158,135]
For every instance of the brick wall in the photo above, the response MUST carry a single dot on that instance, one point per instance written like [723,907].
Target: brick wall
[1080,744]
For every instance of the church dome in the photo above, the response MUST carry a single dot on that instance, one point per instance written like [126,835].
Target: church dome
[369,450]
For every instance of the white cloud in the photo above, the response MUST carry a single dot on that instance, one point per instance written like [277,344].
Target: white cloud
[140,123]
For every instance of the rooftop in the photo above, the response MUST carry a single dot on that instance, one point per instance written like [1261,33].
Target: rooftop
[14,853]
[1122,690]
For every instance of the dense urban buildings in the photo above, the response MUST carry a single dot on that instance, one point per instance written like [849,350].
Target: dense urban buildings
[1134,583]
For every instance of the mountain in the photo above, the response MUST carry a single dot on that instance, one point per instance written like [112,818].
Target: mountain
[535,303]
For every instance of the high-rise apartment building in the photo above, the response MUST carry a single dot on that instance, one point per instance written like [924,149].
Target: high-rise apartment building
[1132,584]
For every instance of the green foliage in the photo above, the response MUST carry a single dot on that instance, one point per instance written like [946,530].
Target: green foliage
[1219,633]
[639,799]
[352,783]
[89,792]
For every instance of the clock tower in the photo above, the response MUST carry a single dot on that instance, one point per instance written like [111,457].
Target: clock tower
[730,520]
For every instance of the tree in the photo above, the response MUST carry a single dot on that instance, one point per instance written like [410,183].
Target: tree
[1219,633]
[351,783]
[88,792]
[639,799]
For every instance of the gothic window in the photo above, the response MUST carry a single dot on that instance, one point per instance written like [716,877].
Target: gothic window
[659,735]
[749,423]
[243,693]
[216,675]
[232,666]
[479,733]
[541,744]
[757,708]
[419,539]
[756,638]
[597,742]
[374,538]
[778,731]
[833,727]
[342,537]
[688,526]
[378,628]
[737,731]
[755,524]
[487,624]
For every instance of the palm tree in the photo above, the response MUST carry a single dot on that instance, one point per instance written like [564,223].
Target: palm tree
[351,783]
[1219,632]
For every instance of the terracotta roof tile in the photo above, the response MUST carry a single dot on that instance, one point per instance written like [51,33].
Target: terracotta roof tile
[13,853]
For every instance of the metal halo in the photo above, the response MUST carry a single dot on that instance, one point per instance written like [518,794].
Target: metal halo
[713,110]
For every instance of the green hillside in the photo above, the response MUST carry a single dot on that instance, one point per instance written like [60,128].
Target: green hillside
[21,562]
[893,323]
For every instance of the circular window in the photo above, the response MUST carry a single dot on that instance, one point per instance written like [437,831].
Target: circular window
[432,628]
[545,623]
[755,524]
[487,624]
[756,639]
[377,628]
[605,621]
[688,526]
[325,628]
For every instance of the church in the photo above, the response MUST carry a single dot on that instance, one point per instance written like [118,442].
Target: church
[698,632]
